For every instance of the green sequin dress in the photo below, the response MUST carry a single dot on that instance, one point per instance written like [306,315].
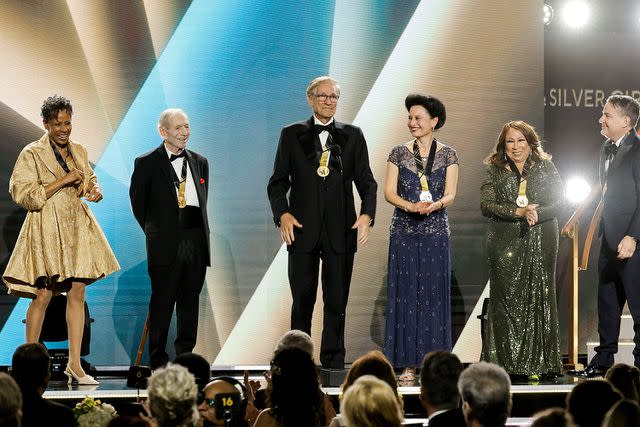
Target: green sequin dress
[522,330]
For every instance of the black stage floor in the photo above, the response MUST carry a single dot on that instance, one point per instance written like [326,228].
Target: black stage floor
[528,397]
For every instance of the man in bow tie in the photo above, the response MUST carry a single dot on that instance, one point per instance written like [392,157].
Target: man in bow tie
[169,188]
[318,160]
[619,262]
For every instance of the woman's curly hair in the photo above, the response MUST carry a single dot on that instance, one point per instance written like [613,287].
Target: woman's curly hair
[172,396]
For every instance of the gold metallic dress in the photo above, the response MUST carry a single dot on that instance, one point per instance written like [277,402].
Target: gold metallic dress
[60,240]
[522,330]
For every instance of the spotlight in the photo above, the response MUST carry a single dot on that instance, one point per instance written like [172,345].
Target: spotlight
[577,190]
[576,14]
[547,14]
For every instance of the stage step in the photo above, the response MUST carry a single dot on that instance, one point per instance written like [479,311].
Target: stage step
[625,342]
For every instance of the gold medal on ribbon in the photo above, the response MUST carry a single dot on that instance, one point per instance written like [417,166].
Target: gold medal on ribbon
[323,170]
[425,194]
[522,200]
[182,199]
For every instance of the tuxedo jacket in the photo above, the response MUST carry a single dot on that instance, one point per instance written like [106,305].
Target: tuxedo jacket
[318,202]
[450,418]
[621,210]
[155,203]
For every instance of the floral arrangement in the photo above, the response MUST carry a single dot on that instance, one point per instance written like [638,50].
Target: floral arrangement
[93,413]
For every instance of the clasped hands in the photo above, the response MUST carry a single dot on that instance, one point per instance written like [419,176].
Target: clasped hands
[288,222]
[422,208]
[75,178]
[530,213]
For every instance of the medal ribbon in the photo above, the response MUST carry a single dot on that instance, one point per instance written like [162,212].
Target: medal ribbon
[522,177]
[424,173]
[324,159]
[181,184]
[59,158]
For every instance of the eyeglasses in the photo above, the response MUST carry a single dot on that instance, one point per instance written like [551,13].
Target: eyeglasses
[323,97]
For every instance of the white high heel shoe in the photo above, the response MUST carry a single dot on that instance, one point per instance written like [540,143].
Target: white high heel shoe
[86,380]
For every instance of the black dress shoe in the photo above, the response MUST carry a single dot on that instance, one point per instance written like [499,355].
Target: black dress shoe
[590,371]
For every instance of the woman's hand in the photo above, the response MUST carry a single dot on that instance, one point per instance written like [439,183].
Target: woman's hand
[94,194]
[73,178]
[529,213]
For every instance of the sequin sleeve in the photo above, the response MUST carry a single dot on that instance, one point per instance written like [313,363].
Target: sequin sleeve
[489,203]
[24,185]
[551,207]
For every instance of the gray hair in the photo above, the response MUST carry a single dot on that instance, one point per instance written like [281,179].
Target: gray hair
[370,402]
[295,339]
[172,396]
[10,402]
[318,80]
[486,388]
[165,116]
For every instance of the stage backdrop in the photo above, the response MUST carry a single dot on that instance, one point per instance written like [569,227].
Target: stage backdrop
[240,69]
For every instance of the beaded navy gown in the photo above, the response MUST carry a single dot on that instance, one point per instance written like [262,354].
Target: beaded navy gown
[419,266]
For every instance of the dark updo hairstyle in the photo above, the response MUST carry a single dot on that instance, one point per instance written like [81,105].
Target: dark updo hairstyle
[53,105]
[499,157]
[433,105]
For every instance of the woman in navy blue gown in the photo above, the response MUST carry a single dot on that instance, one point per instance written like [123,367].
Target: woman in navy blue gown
[421,182]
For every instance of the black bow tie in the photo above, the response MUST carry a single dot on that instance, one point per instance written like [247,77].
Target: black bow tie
[321,128]
[177,156]
[611,149]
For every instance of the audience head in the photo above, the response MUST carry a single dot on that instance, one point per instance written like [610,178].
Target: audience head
[589,401]
[30,367]
[10,402]
[370,402]
[625,379]
[486,396]
[295,339]
[552,417]
[373,363]
[207,407]
[295,397]
[172,395]
[623,413]
[199,368]
[439,381]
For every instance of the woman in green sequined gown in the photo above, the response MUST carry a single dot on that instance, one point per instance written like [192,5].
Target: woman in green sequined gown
[522,246]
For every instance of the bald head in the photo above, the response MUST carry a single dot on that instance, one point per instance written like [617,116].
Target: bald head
[211,390]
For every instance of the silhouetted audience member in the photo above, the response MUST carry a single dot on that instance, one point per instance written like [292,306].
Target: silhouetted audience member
[552,417]
[199,368]
[172,394]
[10,402]
[31,368]
[295,398]
[373,363]
[439,389]
[590,400]
[485,390]
[370,402]
[625,379]
[623,413]
[295,339]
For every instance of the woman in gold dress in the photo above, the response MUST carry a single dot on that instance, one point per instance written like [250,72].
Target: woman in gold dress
[61,247]
[522,195]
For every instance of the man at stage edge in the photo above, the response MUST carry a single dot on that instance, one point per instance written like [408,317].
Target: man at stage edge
[619,262]
[318,160]
[169,188]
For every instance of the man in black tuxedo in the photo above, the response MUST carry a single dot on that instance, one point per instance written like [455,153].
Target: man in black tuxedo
[619,262]
[318,160]
[439,389]
[168,193]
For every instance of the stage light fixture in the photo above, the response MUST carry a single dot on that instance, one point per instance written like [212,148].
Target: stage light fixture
[577,190]
[576,14]
[547,14]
